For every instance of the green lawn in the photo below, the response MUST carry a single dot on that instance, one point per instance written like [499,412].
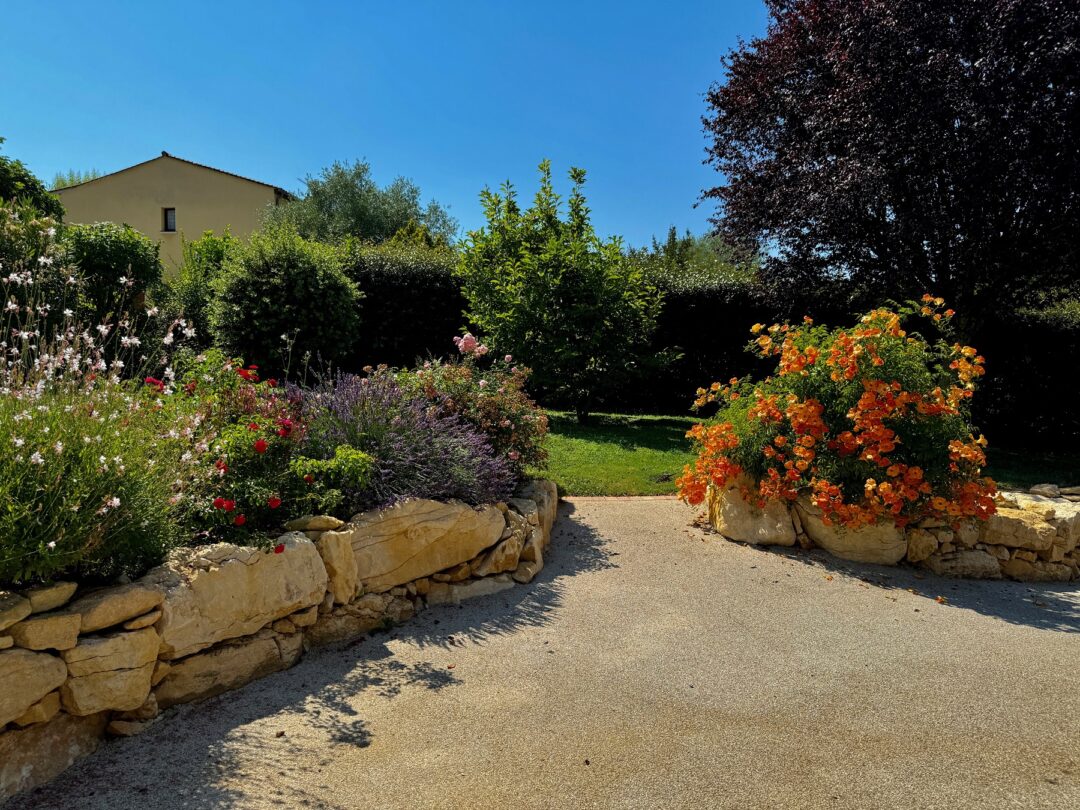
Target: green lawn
[617,455]
[643,455]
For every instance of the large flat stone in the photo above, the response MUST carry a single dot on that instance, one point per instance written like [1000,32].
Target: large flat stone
[225,667]
[340,562]
[545,495]
[119,689]
[13,608]
[111,606]
[51,596]
[222,592]
[114,651]
[418,538]
[881,543]
[47,631]
[968,563]
[32,756]
[25,678]
[737,519]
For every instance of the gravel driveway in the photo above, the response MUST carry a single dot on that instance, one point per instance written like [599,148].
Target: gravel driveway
[650,665]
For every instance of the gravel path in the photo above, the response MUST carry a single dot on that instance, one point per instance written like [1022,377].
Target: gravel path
[650,665]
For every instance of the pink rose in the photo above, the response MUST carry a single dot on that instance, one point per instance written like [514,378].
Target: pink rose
[508,359]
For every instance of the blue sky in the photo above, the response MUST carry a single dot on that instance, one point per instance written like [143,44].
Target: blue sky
[455,96]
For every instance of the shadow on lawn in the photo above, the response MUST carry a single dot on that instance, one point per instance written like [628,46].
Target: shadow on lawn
[1042,605]
[207,755]
[665,434]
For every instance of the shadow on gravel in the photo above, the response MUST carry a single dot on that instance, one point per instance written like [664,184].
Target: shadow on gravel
[196,755]
[1042,605]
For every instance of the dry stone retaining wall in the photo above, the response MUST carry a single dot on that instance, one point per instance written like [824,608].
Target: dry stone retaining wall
[1033,536]
[76,667]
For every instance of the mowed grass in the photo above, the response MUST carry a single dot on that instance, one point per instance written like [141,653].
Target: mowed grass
[643,455]
[617,455]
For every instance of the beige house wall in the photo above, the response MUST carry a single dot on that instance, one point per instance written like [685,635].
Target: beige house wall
[205,200]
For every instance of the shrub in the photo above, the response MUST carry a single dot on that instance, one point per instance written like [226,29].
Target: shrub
[417,452]
[549,291]
[190,293]
[870,422]
[412,301]
[281,293]
[117,263]
[489,396]
[18,184]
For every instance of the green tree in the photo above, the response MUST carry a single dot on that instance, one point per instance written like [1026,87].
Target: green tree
[283,299]
[345,201]
[689,260]
[72,177]
[18,183]
[549,291]
[189,294]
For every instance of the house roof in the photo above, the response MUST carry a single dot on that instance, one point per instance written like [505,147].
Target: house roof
[164,154]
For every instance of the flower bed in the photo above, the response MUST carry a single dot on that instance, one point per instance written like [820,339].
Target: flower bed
[79,665]
[861,443]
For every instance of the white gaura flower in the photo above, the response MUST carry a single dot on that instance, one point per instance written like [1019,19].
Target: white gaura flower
[168,339]
[68,313]
[58,447]
[113,502]
[37,458]
[123,280]
[52,543]
[19,442]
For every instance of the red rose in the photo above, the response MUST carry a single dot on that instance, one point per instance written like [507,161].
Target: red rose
[309,479]
[273,501]
[221,465]
[252,426]
[155,383]
[280,547]
[282,432]
[219,503]
[260,445]
[272,382]
[228,505]
[239,520]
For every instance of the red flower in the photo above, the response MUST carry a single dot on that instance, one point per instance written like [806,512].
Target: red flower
[273,501]
[221,465]
[309,479]
[228,505]
[239,520]
[219,503]
[272,382]
[153,382]
[282,432]
[252,426]
[280,547]
[260,445]
[190,387]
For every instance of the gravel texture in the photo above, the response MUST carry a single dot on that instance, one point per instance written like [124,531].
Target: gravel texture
[650,665]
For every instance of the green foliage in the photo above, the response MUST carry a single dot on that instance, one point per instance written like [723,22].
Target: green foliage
[345,201]
[73,177]
[412,301]
[18,183]
[190,292]
[349,470]
[116,261]
[688,262]
[551,292]
[282,298]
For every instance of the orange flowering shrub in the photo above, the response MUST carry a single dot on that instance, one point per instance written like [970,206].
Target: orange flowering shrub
[870,422]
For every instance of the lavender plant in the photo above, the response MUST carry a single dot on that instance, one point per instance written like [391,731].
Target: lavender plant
[416,451]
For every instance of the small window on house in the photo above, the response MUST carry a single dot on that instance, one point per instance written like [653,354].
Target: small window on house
[168,219]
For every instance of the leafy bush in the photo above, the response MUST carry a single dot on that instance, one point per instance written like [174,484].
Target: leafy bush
[417,452]
[871,422]
[489,396]
[189,293]
[19,184]
[551,292]
[281,292]
[117,263]
[411,302]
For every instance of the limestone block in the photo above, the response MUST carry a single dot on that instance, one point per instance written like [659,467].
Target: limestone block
[227,666]
[145,620]
[96,654]
[1036,571]
[545,495]
[527,508]
[119,689]
[233,591]
[111,606]
[525,571]
[504,557]
[921,544]
[13,608]
[41,712]
[314,523]
[51,596]
[335,627]
[340,562]
[737,519]
[459,592]
[1018,528]
[32,756]
[47,631]
[969,563]
[417,538]
[881,543]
